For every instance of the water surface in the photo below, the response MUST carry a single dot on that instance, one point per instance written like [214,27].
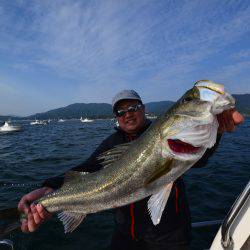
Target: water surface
[40,152]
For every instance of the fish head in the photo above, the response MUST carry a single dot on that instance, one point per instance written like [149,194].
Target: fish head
[215,94]
[191,126]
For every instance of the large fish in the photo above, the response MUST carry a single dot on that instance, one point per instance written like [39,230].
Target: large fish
[147,166]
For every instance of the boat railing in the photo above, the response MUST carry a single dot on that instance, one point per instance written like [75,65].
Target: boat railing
[240,205]
[230,222]
[8,243]
[206,223]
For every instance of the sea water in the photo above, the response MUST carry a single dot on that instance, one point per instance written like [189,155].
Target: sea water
[43,151]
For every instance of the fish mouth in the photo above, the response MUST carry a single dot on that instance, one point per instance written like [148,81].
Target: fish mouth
[192,142]
[216,95]
[181,147]
[210,85]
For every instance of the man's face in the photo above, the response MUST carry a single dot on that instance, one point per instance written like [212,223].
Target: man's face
[131,122]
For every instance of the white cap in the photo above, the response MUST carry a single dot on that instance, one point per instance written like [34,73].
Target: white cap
[126,94]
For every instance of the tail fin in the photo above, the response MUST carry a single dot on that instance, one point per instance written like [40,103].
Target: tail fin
[9,220]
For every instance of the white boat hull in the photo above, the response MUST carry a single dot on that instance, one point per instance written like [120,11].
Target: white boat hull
[7,127]
[86,120]
[238,225]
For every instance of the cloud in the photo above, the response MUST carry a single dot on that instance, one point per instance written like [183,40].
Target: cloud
[82,37]
[110,45]
[241,55]
[235,76]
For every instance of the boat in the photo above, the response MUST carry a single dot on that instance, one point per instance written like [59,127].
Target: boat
[150,116]
[86,120]
[37,122]
[8,127]
[234,232]
[61,120]
[8,243]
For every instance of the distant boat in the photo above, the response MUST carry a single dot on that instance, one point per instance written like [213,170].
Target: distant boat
[151,116]
[61,120]
[86,120]
[115,121]
[8,127]
[37,122]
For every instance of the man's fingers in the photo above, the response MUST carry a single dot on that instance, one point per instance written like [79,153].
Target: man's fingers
[238,118]
[35,214]
[32,226]
[33,220]
[23,205]
[24,226]
[27,199]
[229,122]
[221,122]
[42,212]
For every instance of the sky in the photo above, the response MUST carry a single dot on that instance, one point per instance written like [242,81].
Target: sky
[55,53]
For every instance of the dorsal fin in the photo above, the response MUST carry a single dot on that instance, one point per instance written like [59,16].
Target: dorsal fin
[113,154]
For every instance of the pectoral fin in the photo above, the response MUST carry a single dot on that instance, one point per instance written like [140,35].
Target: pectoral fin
[157,203]
[71,220]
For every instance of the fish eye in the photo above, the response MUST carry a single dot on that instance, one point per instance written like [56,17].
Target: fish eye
[187,99]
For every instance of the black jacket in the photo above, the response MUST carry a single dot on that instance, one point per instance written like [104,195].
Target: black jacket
[134,220]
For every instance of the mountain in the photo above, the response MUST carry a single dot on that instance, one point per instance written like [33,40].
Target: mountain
[158,108]
[94,110]
[8,117]
[242,104]
[104,110]
[76,110]
[4,117]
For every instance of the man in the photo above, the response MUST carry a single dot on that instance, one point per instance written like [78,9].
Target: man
[134,228]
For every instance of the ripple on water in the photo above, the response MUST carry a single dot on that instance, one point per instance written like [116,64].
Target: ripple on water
[41,152]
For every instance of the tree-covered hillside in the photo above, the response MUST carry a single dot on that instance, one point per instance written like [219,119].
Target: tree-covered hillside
[104,110]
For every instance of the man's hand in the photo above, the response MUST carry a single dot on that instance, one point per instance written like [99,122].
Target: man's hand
[36,214]
[228,120]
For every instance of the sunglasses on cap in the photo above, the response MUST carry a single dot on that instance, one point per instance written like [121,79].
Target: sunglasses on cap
[132,108]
